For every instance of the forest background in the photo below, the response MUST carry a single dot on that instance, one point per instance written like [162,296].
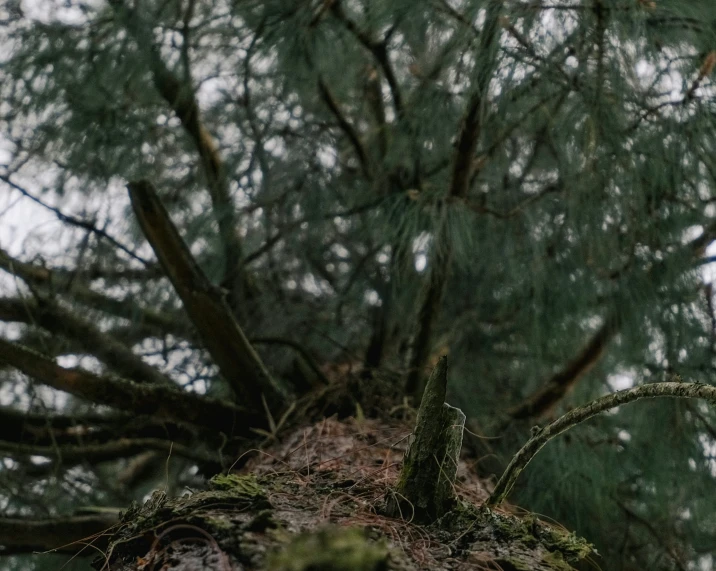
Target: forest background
[528,186]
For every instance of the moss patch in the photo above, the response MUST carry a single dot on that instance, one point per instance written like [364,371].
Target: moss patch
[331,549]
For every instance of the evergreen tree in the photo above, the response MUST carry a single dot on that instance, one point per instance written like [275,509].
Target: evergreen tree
[365,185]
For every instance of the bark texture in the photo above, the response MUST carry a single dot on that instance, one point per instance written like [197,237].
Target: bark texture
[315,501]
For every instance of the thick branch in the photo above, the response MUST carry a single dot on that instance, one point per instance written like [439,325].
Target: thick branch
[41,277]
[71,534]
[180,97]
[654,390]
[550,393]
[71,454]
[61,322]
[463,165]
[237,360]
[41,429]
[159,401]
[432,295]
[463,168]
[20,426]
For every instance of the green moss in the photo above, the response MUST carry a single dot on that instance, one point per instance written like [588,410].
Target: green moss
[246,485]
[218,523]
[570,545]
[556,561]
[511,538]
[331,549]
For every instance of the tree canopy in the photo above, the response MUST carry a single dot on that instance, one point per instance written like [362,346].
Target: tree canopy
[362,186]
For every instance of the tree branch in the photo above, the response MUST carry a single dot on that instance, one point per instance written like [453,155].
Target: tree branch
[72,454]
[540,402]
[379,51]
[162,402]
[39,276]
[463,168]
[346,127]
[543,435]
[300,349]
[432,296]
[70,534]
[237,360]
[73,221]
[58,321]
[59,432]
[181,99]
[469,136]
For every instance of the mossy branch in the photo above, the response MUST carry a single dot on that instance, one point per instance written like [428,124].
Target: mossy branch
[578,415]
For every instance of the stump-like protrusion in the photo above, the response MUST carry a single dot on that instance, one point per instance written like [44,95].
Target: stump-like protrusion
[425,490]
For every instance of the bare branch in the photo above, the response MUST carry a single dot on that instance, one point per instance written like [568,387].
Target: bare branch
[160,401]
[574,417]
[74,221]
[237,360]
[78,534]
[180,97]
[59,321]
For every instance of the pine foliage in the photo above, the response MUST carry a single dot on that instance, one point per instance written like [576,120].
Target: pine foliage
[536,179]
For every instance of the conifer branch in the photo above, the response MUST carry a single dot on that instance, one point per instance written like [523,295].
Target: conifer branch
[345,126]
[237,360]
[541,401]
[63,283]
[429,309]
[379,51]
[463,168]
[163,402]
[574,417]
[84,334]
[665,541]
[471,127]
[180,97]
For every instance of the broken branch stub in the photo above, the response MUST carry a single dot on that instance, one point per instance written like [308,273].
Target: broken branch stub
[425,488]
